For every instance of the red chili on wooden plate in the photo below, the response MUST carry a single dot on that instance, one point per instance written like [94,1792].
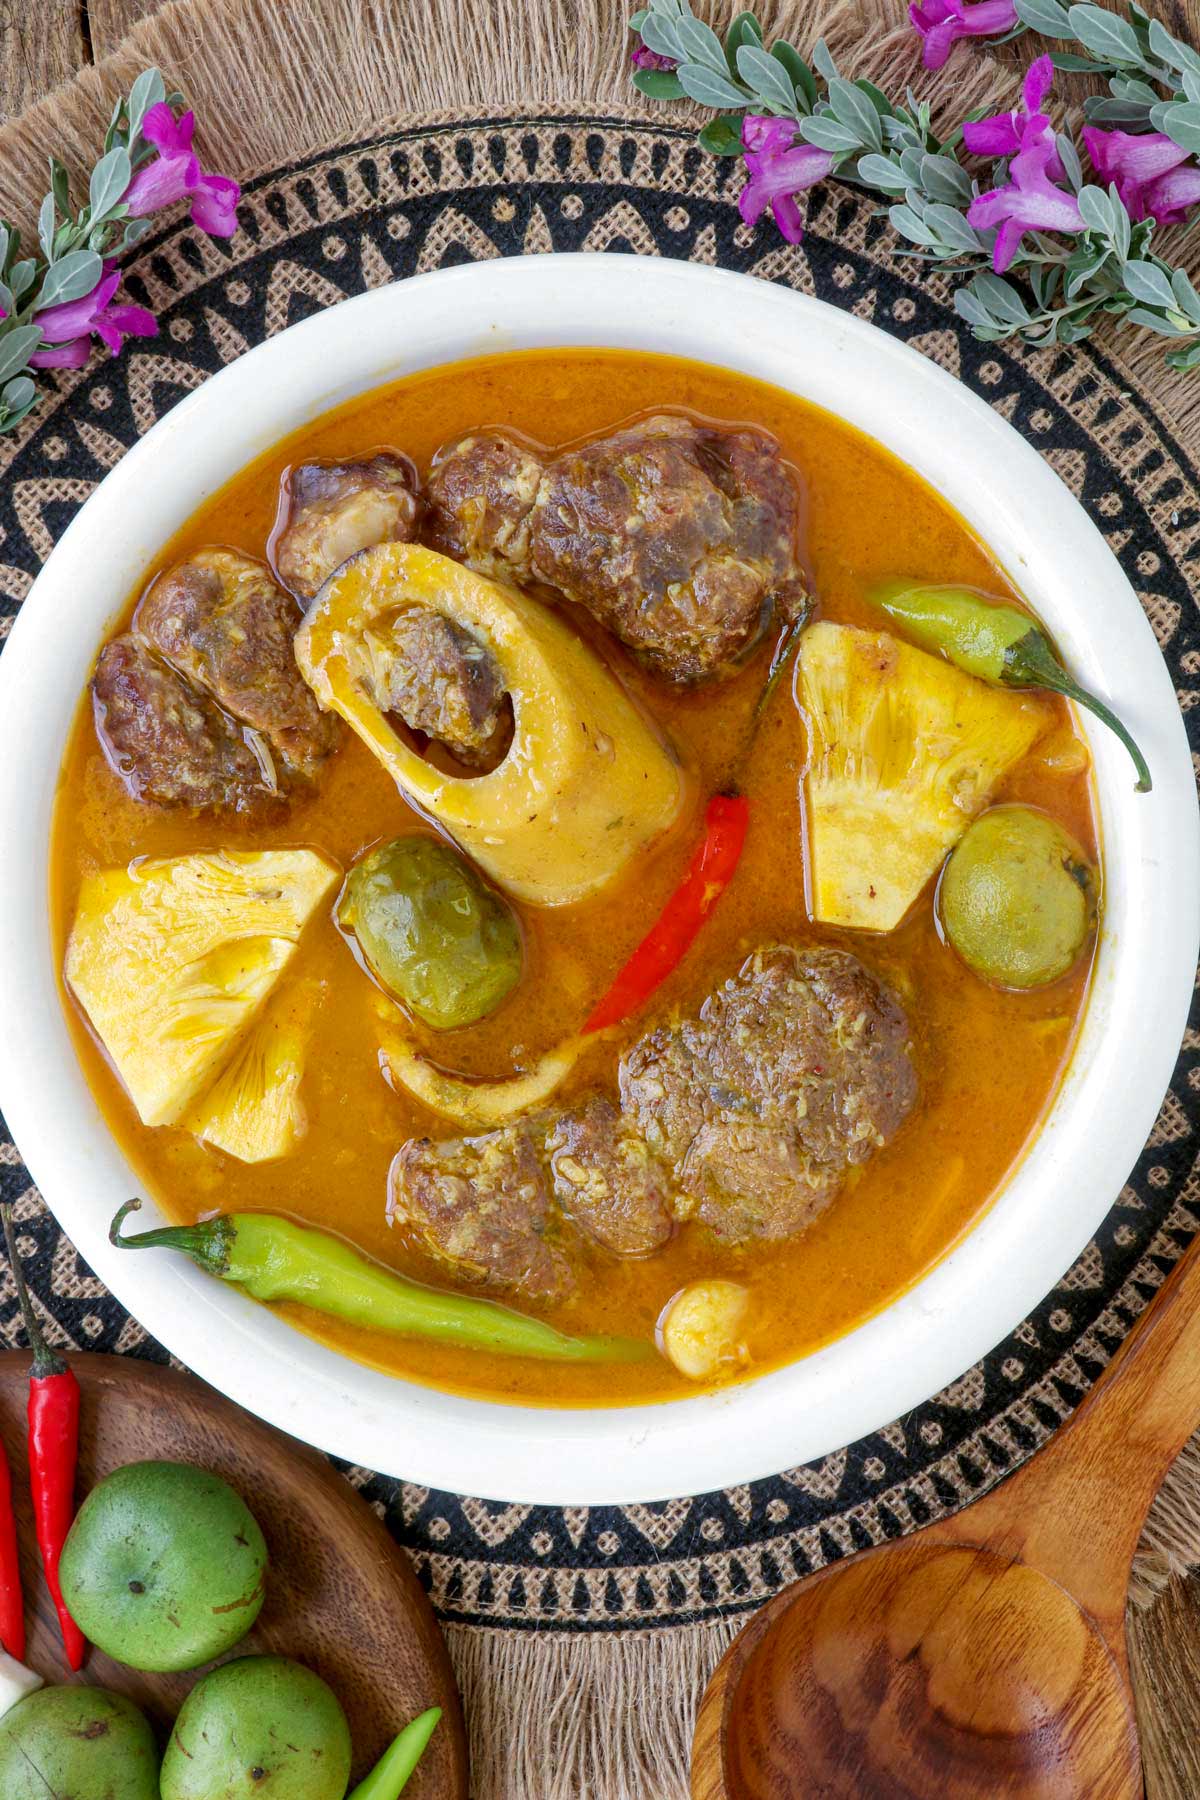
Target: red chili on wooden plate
[12,1604]
[53,1454]
[671,936]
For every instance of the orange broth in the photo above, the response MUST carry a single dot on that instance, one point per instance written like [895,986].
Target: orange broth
[989,1062]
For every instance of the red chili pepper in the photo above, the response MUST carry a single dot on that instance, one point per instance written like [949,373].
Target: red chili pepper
[53,1452]
[670,938]
[12,1605]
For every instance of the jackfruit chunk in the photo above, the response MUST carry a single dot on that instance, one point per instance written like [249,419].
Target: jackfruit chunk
[904,750]
[172,959]
[254,1110]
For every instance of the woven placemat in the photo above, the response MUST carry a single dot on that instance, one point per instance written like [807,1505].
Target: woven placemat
[583,1636]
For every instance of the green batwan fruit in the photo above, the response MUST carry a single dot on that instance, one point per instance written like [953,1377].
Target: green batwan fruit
[260,1726]
[77,1743]
[1018,898]
[164,1567]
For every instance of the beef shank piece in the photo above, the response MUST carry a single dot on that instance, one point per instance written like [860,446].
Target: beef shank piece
[442,681]
[747,1117]
[606,1179]
[795,1070]
[680,537]
[482,1204]
[479,501]
[221,621]
[337,509]
[170,744]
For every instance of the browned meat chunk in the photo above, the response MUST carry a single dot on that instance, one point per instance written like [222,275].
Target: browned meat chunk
[221,621]
[796,1069]
[482,1204]
[169,744]
[607,1181]
[679,537]
[337,509]
[442,681]
[478,501]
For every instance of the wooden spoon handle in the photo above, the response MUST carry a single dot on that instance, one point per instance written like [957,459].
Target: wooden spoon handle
[1077,1509]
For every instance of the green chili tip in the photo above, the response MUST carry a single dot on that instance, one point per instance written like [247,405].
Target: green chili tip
[1031,663]
[208,1244]
[389,1777]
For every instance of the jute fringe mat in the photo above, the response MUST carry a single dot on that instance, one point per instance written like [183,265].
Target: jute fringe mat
[554,1715]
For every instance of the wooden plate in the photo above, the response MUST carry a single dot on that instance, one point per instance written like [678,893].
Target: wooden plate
[341,1596]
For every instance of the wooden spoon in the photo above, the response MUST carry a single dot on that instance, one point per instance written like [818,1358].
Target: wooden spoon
[984,1655]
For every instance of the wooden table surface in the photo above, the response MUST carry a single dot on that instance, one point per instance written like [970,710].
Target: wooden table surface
[42,42]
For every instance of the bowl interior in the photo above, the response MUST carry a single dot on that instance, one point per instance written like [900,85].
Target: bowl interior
[1145,962]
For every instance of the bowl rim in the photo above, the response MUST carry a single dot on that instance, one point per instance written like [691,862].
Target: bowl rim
[1146,960]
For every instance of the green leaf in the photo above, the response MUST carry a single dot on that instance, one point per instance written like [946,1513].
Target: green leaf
[767,76]
[944,179]
[76,275]
[60,185]
[1096,210]
[1169,50]
[911,225]
[701,44]
[882,173]
[110,177]
[1070,64]
[21,277]
[1184,359]
[638,19]
[1182,125]
[135,231]
[1001,298]
[47,219]
[147,91]
[16,347]
[1046,16]
[1122,113]
[828,134]
[856,112]
[745,29]
[111,135]
[1186,297]
[798,73]
[709,88]
[1068,156]
[1106,36]
[658,84]
[1138,315]
[1147,282]
[658,34]
[970,307]
[952,227]
[823,62]
[18,392]
[723,136]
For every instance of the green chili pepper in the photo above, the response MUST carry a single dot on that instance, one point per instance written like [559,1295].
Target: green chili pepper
[999,644]
[389,1777]
[275,1259]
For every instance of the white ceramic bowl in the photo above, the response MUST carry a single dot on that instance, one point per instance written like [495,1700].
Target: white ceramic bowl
[1147,955]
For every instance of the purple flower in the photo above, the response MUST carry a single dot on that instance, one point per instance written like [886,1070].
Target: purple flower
[1004,134]
[175,174]
[1029,201]
[70,327]
[1149,173]
[780,166]
[644,58]
[942,22]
